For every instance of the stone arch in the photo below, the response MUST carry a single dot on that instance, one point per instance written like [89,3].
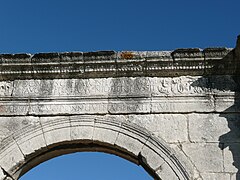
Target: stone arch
[48,137]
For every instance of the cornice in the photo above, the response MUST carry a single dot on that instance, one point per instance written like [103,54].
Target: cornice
[179,62]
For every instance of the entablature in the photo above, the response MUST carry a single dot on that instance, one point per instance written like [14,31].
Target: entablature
[180,62]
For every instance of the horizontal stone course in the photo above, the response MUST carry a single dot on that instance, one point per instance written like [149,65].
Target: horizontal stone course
[114,64]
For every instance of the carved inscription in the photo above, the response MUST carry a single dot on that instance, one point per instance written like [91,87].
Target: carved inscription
[77,108]
[109,87]
[90,108]
[179,86]
[16,109]
[121,107]
[31,88]
[163,106]
[130,86]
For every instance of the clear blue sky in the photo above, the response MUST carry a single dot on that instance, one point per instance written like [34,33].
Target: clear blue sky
[87,166]
[89,25]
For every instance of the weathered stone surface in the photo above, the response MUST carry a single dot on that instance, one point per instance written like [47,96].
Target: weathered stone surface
[223,103]
[11,108]
[208,127]
[15,58]
[216,176]
[30,138]
[171,127]
[120,87]
[10,147]
[10,125]
[55,129]
[82,127]
[200,153]
[177,147]
[2,174]
[118,95]
[231,157]
[151,158]
[131,141]
[234,176]
[107,131]
[165,172]
[174,112]
[181,105]
[66,107]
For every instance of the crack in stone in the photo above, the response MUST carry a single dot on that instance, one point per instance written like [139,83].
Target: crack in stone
[13,88]
[199,174]
[188,129]
[18,146]
[6,174]
[43,133]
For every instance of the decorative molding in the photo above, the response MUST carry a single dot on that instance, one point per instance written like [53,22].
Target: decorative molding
[117,64]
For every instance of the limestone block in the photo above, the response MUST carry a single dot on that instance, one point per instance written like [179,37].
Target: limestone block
[182,158]
[10,154]
[231,157]
[2,176]
[33,142]
[207,157]
[32,88]
[6,88]
[173,160]
[165,172]
[30,138]
[170,127]
[82,127]
[119,87]
[131,139]
[94,87]
[179,86]
[215,176]
[151,158]
[132,145]
[208,127]
[234,176]
[9,125]
[140,105]
[95,106]
[156,54]
[181,104]
[106,131]
[130,86]
[226,104]
[26,131]
[104,87]
[89,107]
[13,108]
[55,129]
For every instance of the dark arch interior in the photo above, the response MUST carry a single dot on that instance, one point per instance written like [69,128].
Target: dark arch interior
[63,148]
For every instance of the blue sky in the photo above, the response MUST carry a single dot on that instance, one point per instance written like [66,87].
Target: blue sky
[30,26]
[87,166]
[90,25]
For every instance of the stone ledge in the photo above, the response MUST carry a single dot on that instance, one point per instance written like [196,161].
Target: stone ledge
[117,64]
[112,55]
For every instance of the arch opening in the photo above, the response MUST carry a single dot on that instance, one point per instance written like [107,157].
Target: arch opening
[54,136]
[88,166]
[77,147]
